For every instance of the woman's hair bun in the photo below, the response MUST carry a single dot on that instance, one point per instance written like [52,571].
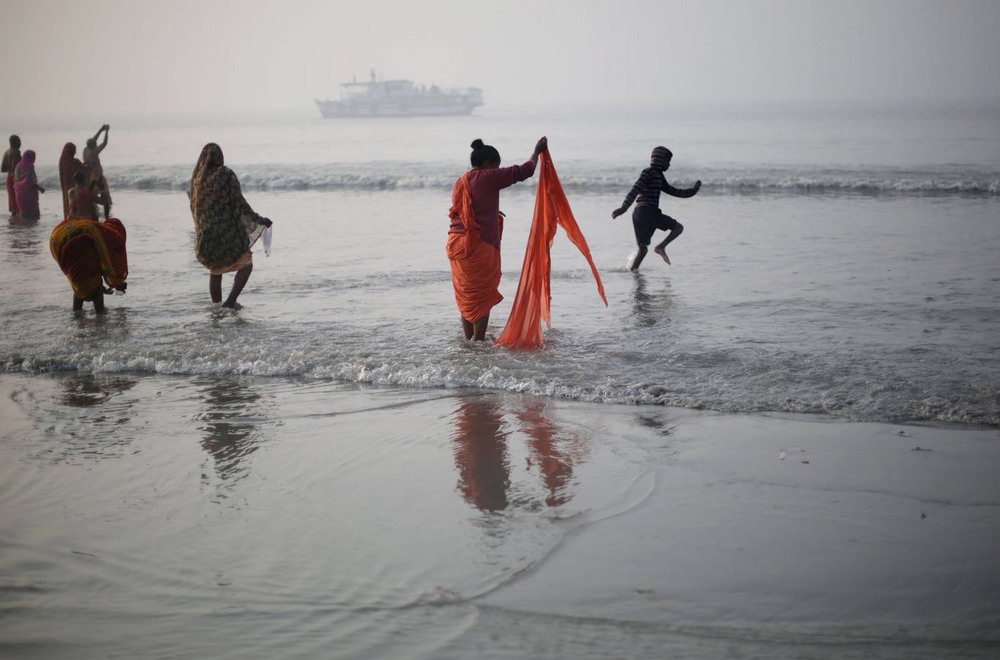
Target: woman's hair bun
[477,144]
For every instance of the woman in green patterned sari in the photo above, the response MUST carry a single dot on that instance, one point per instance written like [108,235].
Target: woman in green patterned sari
[225,225]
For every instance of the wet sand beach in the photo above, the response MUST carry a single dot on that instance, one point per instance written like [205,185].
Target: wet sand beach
[157,517]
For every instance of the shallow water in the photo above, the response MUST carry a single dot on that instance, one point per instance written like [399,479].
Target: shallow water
[837,261]
[869,308]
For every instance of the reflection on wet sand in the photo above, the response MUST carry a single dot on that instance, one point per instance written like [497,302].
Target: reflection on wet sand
[85,390]
[482,436]
[480,449]
[87,416]
[231,425]
[555,465]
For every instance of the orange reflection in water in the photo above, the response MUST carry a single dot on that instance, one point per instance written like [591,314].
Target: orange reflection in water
[483,432]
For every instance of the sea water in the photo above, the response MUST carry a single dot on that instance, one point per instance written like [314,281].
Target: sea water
[332,471]
[839,262]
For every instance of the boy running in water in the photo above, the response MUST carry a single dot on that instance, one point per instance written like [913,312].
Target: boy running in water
[647,217]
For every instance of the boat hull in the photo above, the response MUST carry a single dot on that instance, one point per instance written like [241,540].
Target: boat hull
[399,98]
[337,109]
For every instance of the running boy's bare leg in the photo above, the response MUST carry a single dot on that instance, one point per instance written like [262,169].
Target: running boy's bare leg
[639,256]
[661,248]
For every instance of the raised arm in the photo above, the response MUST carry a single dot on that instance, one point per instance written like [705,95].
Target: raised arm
[508,176]
[681,192]
[503,177]
[107,129]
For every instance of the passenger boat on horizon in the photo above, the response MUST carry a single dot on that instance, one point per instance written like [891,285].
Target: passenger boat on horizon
[399,98]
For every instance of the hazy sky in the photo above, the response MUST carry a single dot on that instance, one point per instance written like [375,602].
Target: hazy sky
[105,56]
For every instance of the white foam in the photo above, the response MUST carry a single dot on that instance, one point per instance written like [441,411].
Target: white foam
[590,178]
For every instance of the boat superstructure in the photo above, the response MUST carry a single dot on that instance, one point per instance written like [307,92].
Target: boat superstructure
[399,98]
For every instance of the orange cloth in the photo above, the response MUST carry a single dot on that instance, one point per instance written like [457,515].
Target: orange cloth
[90,253]
[475,265]
[533,299]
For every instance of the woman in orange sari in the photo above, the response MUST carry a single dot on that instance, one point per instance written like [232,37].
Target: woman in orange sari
[475,232]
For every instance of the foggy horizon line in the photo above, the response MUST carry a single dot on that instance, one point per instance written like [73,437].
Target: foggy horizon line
[687,106]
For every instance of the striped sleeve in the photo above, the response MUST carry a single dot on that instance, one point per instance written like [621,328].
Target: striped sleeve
[640,185]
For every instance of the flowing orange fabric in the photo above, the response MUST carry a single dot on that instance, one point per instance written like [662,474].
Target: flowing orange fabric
[90,253]
[533,299]
[475,265]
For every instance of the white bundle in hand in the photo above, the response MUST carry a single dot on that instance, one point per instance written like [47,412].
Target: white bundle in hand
[266,239]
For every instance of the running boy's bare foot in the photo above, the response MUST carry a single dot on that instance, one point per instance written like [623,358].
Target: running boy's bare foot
[663,253]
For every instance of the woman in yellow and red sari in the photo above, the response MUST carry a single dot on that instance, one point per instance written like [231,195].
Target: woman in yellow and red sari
[90,253]
[475,232]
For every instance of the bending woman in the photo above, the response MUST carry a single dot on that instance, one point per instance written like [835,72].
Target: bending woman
[91,254]
[225,225]
[475,232]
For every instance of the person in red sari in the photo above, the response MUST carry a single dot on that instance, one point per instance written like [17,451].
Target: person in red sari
[476,228]
[69,165]
[11,158]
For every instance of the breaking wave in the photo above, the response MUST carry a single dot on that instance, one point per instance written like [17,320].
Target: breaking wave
[581,178]
[721,380]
